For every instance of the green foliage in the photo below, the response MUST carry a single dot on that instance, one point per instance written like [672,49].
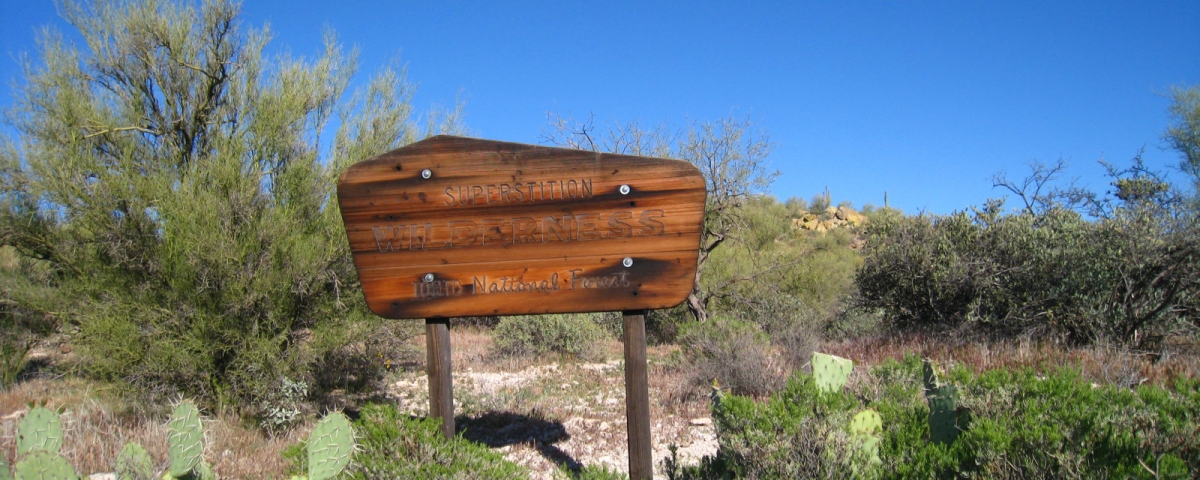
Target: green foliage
[330,447]
[134,463]
[24,282]
[593,472]
[735,353]
[789,281]
[1025,424]
[1184,132]
[44,465]
[1130,273]
[176,185]
[830,372]
[1050,272]
[393,445]
[185,440]
[39,431]
[576,335]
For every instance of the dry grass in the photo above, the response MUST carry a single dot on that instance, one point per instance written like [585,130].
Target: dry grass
[97,424]
[1101,364]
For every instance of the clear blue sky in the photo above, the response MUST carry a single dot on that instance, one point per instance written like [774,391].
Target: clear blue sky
[925,100]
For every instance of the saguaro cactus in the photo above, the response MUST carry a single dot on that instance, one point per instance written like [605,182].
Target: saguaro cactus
[830,372]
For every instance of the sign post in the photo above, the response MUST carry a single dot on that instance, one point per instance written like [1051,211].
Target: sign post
[453,227]
[637,395]
[437,366]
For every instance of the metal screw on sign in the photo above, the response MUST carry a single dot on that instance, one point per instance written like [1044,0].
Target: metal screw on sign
[627,262]
[624,189]
[428,277]
[426,173]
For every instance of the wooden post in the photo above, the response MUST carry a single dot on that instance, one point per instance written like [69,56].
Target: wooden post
[437,356]
[637,396]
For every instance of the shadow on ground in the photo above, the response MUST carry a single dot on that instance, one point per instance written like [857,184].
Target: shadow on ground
[498,429]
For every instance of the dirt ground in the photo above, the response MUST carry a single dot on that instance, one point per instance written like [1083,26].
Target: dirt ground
[546,414]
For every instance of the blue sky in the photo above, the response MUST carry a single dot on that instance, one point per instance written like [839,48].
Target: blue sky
[924,100]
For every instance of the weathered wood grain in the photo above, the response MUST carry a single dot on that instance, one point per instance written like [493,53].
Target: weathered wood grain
[503,228]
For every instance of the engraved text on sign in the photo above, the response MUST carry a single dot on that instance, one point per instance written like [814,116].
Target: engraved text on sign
[499,228]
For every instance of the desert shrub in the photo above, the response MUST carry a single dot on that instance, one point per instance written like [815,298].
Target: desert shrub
[797,342]
[393,445]
[593,472]
[1024,424]
[662,326]
[771,270]
[1126,277]
[170,180]
[26,284]
[575,335]
[1128,271]
[735,353]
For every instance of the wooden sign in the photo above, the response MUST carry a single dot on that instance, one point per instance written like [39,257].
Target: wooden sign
[452,227]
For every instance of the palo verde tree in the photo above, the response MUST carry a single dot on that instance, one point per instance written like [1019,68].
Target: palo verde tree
[1183,135]
[732,155]
[175,184]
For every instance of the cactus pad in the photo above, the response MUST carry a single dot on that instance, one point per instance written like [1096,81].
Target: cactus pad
[134,463]
[865,429]
[43,465]
[830,372]
[40,430]
[330,446]
[943,414]
[867,422]
[203,472]
[185,439]
[5,473]
[929,378]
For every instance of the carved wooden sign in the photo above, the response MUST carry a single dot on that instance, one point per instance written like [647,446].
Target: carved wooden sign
[452,227]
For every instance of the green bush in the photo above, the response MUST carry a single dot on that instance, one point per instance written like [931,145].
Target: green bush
[1024,425]
[393,445]
[575,335]
[168,179]
[1126,278]
[1128,271]
[735,353]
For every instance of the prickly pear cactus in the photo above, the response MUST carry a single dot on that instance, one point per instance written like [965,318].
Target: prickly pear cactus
[943,414]
[203,472]
[867,422]
[330,446]
[43,465]
[134,463]
[865,430]
[946,418]
[40,430]
[929,378]
[185,439]
[830,372]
